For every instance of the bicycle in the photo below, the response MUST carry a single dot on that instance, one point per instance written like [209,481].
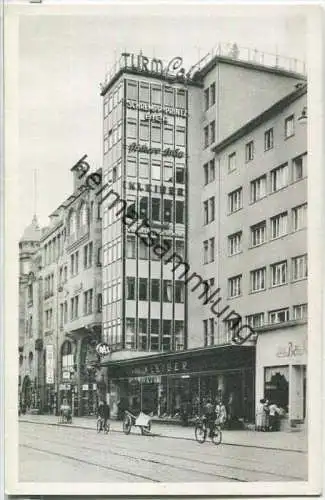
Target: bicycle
[101,427]
[202,430]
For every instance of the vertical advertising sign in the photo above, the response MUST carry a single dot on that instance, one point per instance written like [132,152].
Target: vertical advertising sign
[49,364]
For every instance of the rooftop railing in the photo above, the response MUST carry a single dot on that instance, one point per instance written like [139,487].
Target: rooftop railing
[230,51]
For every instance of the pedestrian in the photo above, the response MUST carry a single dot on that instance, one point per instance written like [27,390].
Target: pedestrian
[260,416]
[266,407]
[230,409]
[274,415]
[221,413]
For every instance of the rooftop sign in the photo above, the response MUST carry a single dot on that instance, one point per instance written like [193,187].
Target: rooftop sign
[154,66]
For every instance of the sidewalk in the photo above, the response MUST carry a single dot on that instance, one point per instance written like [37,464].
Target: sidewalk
[292,441]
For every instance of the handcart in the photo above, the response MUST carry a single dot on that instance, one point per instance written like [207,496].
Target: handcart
[142,420]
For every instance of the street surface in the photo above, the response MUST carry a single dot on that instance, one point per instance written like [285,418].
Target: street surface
[51,453]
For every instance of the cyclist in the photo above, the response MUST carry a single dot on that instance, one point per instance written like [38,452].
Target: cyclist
[210,416]
[103,413]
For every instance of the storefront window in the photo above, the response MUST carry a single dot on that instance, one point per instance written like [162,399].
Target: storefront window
[276,385]
[179,335]
[154,334]
[143,207]
[155,209]
[143,334]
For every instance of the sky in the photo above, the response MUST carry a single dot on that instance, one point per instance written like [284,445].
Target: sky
[64,57]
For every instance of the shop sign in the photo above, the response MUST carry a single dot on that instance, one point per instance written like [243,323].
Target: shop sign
[103,349]
[291,350]
[154,66]
[147,380]
[160,368]
[141,106]
[143,148]
[85,387]
[49,364]
[153,188]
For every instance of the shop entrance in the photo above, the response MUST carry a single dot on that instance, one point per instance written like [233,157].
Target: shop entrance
[276,385]
[150,398]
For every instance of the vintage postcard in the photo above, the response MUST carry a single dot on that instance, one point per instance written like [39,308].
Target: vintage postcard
[163,225]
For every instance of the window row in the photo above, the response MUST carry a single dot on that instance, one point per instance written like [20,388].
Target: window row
[161,337]
[166,211]
[112,100]
[279,275]
[257,320]
[113,136]
[155,169]
[144,252]
[160,290]
[88,306]
[278,227]
[156,94]
[54,248]
[155,132]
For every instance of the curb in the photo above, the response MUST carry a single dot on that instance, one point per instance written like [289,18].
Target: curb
[56,424]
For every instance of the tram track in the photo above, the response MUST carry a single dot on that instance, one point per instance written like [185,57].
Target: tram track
[124,452]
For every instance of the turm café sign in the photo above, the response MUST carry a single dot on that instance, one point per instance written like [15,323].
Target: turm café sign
[153,66]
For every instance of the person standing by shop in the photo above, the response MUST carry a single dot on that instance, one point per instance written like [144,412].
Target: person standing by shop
[266,415]
[274,415]
[260,416]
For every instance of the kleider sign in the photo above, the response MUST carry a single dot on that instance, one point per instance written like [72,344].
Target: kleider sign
[155,66]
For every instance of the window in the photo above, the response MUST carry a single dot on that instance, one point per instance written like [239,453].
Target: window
[99,302]
[279,273]
[235,200]
[144,168]
[279,225]
[258,234]
[168,171]
[168,134]
[279,178]
[206,136]
[258,279]
[143,249]
[211,336]
[268,139]
[249,151]
[212,132]
[180,136]
[155,209]
[65,312]
[72,271]
[144,92]
[255,320]
[167,290]
[130,247]
[179,335]
[234,286]
[299,267]
[180,175]
[211,245]
[213,93]
[258,188]
[289,127]
[144,130]
[154,334]
[143,334]
[132,90]
[143,289]
[131,128]
[88,302]
[212,171]
[232,162]
[209,210]
[156,132]
[169,96]
[206,173]
[205,332]
[299,217]
[206,99]
[180,98]
[179,218]
[143,207]
[155,94]
[179,291]
[167,330]
[279,316]
[130,333]
[205,212]
[180,247]
[130,288]
[155,170]
[88,255]
[300,312]
[299,167]
[155,290]
[131,167]
[234,243]
[206,252]
[167,210]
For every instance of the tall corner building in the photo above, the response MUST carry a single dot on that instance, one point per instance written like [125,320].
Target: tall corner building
[160,131]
